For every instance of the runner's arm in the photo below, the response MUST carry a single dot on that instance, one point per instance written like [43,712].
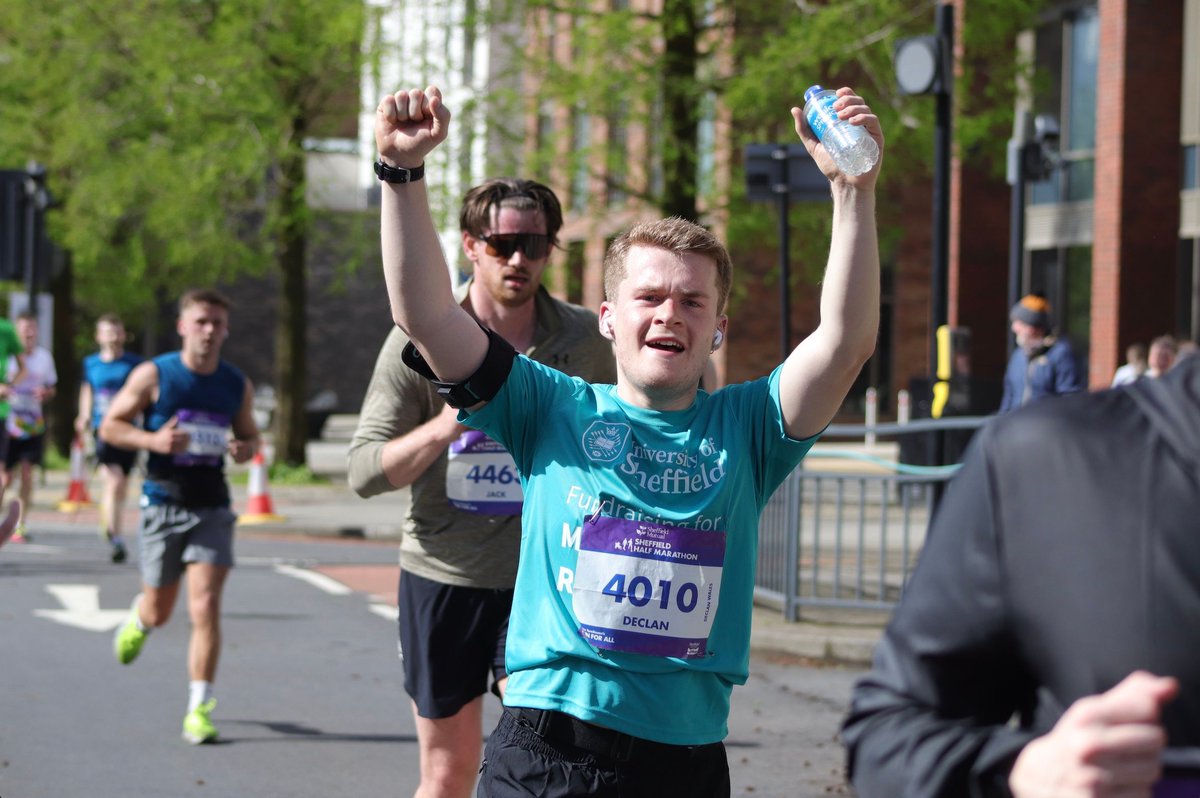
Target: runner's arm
[83,420]
[408,126]
[137,394]
[818,373]
[245,430]
[400,431]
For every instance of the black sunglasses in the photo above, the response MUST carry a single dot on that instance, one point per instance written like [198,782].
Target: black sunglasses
[502,245]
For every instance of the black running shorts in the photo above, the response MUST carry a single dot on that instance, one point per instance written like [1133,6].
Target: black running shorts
[29,450]
[451,639]
[107,454]
[572,759]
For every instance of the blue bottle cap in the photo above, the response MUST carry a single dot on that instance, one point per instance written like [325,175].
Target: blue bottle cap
[808,95]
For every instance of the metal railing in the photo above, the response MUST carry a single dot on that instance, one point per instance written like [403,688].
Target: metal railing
[847,535]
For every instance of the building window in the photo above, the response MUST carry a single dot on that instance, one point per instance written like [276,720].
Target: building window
[706,142]
[576,254]
[1188,309]
[1065,88]
[657,181]
[1064,277]
[617,171]
[581,137]
[1191,167]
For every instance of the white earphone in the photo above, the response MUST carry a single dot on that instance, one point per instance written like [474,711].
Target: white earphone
[718,338]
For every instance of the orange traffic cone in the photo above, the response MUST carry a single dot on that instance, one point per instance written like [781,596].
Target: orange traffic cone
[77,493]
[259,509]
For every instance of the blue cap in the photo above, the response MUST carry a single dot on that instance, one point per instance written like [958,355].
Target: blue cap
[808,95]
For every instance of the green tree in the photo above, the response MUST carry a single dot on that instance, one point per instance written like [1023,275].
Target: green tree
[174,136]
[754,59]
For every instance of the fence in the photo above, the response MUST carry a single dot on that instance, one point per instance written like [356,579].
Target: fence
[848,536]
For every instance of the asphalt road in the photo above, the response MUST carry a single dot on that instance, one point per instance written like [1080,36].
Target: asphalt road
[309,693]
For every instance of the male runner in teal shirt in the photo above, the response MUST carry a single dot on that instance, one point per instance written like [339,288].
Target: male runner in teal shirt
[631,614]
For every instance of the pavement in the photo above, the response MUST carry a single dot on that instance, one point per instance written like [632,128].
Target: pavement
[331,509]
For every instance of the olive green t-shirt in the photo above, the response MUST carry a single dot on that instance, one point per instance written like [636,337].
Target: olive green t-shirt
[439,541]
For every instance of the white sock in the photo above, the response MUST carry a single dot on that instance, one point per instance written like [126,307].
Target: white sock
[199,692]
[116,540]
[137,616]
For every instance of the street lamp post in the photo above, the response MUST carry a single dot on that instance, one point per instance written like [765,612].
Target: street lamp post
[1032,156]
[922,66]
[37,199]
[781,173]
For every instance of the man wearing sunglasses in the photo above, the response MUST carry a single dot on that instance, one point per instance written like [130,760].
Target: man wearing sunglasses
[458,553]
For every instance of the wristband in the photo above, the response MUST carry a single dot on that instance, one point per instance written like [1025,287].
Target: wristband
[398,174]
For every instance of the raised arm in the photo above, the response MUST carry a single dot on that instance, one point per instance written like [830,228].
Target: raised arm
[819,372]
[408,126]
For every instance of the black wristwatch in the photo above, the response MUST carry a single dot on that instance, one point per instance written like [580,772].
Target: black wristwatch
[398,174]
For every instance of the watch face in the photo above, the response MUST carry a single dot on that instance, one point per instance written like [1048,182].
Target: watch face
[916,64]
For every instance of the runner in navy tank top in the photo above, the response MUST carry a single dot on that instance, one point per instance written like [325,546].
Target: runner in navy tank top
[197,409]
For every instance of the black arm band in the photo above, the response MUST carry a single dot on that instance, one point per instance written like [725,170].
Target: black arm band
[482,386]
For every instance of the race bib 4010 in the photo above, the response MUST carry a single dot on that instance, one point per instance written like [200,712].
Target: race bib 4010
[647,588]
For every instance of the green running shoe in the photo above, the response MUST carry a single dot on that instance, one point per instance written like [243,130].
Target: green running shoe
[198,728]
[129,639]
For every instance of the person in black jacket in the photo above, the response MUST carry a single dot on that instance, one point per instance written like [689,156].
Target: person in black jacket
[1048,641]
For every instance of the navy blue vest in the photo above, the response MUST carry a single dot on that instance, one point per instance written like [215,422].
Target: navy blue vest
[205,405]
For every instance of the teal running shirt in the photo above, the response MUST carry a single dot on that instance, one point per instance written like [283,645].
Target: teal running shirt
[638,548]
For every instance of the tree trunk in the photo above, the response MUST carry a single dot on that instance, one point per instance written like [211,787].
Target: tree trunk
[291,375]
[65,404]
[682,106]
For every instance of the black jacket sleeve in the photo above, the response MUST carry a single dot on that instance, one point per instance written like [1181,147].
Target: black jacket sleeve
[932,717]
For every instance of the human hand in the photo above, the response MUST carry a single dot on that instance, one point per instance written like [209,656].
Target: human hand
[241,450]
[448,425]
[850,107]
[1104,745]
[82,425]
[169,439]
[409,124]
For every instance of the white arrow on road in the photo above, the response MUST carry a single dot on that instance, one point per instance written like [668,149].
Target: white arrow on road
[81,608]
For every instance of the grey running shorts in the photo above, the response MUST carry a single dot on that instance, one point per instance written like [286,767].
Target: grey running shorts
[170,537]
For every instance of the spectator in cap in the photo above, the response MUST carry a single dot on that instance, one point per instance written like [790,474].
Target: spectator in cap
[1041,364]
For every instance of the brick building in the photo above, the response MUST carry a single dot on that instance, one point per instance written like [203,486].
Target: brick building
[1111,237]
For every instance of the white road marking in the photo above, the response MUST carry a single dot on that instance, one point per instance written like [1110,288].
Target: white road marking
[81,609]
[319,581]
[385,611]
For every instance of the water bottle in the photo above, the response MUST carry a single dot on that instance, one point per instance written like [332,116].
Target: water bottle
[851,146]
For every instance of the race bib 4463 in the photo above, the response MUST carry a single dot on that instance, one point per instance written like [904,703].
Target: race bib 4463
[481,476]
